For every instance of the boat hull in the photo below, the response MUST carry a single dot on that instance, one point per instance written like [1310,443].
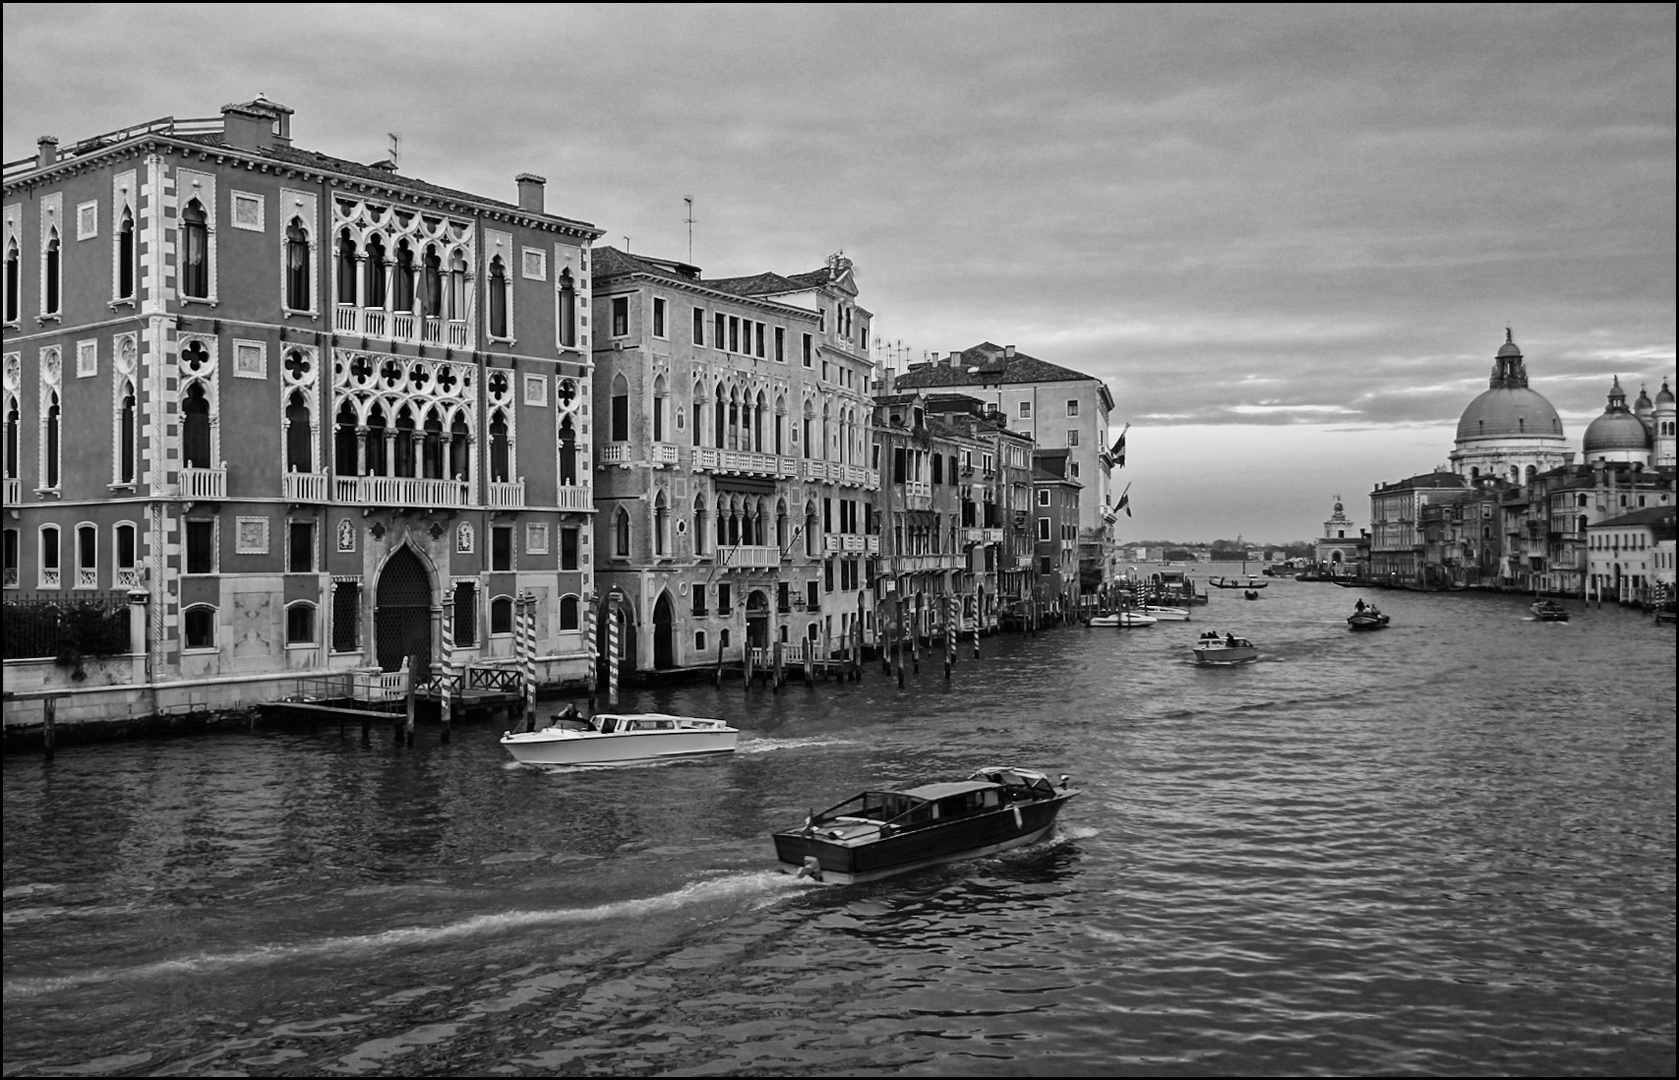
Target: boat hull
[1367,622]
[589,748]
[862,860]
[1167,614]
[1225,654]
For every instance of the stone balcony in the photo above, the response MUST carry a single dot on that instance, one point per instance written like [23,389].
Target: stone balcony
[198,483]
[665,454]
[300,487]
[741,462]
[401,326]
[14,491]
[506,494]
[401,491]
[749,556]
[857,543]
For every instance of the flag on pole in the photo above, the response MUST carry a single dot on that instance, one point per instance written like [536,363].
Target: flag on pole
[1118,450]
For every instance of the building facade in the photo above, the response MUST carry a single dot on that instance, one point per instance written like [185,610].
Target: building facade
[1397,543]
[1337,549]
[1056,519]
[1058,409]
[733,472]
[331,393]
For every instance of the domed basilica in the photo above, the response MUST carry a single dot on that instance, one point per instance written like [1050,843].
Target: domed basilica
[1512,432]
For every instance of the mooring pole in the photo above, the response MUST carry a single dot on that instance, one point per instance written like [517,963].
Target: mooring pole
[408,695]
[49,730]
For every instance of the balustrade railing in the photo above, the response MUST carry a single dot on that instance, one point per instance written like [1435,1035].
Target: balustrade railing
[919,488]
[569,497]
[615,454]
[749,556]
[303,487]
[401,491]
[14,491]
[665,453]
[399,325]
[127,579]
[51,578]
[204,483]
[87,577]
[507,495]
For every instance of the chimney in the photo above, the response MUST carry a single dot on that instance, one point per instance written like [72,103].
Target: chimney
[531,192]
[1008,352]
[245,127]
[46,151]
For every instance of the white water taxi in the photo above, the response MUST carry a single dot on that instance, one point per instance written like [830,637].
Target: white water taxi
[1123,619]
[1230,649]
[621,737]
[1166,614]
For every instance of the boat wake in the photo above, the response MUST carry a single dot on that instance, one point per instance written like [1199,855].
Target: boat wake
[758,885]
[765,746]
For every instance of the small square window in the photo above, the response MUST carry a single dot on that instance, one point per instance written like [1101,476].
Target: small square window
[1043,497]
[1072,437]
[247,211]
[620,316]
[1073,407]
[201,547]
[300,558]
[1025,409]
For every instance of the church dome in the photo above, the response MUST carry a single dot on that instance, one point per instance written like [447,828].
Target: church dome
[1665,397]
[1507,408]
[1617,429]
[1510,411]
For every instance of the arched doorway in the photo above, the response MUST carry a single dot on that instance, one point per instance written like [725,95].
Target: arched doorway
[664,633]
[757,619]
[402,612]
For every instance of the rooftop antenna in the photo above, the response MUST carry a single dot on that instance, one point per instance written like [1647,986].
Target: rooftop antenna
[626,245]
[396,146]
[689,199]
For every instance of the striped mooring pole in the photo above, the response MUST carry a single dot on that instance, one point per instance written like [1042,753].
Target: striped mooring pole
[612,616]
[529,603]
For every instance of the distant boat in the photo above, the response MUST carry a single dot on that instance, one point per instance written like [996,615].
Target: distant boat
[1549,611]
[621,737]
[1234,583]
[1165,613]
[1123,619]
[1367,618]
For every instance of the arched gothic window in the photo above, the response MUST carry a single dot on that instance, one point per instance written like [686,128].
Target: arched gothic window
[346,268]
[568,309]
[297,266]
[568,453]
[620,409]
[300,455]
[373,293]
[498,298]
[345,458]
[700,535]
[127,256]
[126,436]
[196,451]
[14,281]
[49,297]
[500,448]
[621,534]
[661,525]
[195,251]
[51,450]
[659,402]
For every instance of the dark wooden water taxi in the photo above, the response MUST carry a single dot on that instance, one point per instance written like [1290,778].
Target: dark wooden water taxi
[881,833]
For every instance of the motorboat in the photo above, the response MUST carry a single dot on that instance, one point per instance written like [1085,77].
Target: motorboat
[1367,617]
[1550,611]
[1123,619]
[1210,648]
[877,834]
[1162,613]
[621,737]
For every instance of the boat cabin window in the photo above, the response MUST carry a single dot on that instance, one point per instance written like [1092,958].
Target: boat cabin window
[608,724]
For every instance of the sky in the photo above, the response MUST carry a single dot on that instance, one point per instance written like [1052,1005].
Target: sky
[1288,238]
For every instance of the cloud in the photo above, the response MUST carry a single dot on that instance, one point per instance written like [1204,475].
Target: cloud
[1240,217]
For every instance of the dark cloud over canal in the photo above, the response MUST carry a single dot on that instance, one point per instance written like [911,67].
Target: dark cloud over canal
[1241,218]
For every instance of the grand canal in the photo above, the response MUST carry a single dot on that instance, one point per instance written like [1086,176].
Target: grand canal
[1446,848]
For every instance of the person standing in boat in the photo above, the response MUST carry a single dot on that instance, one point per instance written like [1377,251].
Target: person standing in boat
[1359,607]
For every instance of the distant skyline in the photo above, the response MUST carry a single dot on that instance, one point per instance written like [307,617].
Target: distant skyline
[1288,238]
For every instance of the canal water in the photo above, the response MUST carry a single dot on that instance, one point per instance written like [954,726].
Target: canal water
[1443,848]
